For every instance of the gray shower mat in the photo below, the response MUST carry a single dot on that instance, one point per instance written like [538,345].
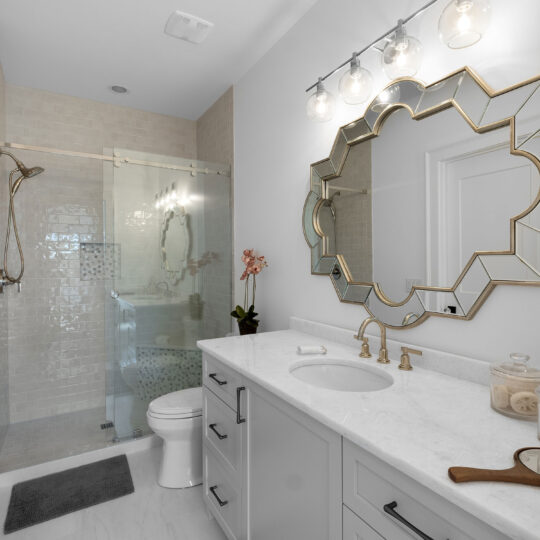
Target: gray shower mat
[58,494]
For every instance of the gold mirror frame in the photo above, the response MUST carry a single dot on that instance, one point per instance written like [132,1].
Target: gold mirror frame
[484,110]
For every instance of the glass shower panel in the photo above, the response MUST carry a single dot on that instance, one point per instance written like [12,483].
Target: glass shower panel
[169,225]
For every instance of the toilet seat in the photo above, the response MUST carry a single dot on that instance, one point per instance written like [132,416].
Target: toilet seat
[177,405]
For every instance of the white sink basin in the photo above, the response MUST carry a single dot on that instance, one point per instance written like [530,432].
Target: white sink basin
[344,375]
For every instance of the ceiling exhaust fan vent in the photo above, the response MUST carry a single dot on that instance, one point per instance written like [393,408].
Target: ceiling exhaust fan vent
[188,27]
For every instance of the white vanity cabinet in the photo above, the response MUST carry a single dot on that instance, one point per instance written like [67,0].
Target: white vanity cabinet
[398,508]
[270,471]
[293,473]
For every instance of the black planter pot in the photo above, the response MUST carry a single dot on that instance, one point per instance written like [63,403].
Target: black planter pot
[246,329]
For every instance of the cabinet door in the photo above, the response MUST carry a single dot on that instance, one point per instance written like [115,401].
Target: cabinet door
[293,480]
[356,529]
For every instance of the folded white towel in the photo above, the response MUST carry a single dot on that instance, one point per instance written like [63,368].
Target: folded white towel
[311,349]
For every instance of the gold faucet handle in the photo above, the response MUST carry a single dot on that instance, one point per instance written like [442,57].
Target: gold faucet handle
[405,361]
[406,350]
[365,353]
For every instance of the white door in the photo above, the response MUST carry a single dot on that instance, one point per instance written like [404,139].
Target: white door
[478,192]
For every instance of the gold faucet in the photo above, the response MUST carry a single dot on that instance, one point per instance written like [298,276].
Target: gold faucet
[405,363]
[383,352]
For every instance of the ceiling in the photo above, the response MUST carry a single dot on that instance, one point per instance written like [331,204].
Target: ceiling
[81,48]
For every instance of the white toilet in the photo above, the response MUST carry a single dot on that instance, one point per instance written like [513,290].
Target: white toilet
[177,419]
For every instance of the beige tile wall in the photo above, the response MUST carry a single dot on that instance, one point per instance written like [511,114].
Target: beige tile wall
[215,135]
[56,324]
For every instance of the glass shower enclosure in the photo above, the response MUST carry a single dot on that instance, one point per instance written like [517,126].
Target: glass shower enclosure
[168,259]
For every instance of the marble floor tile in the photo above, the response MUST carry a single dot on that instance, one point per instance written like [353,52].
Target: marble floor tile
[151,513]
[45,439]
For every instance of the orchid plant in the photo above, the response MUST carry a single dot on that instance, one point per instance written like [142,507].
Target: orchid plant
[254,264]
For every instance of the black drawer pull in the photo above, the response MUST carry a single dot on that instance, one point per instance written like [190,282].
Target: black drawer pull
[219,435]
[239,419]
[213,376]
[390,509]
[220,501]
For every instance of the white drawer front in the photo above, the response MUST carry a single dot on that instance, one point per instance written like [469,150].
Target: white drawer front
[366,493]
[221,432]
[222,496]
[223,381]
[356,529]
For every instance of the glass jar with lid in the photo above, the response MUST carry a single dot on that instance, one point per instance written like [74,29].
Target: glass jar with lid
[513,388]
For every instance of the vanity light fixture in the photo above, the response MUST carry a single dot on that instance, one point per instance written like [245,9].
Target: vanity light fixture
[356,84]
[464,22]
[321,104]
[402,55]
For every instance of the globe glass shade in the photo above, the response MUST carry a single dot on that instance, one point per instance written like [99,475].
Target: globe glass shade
[402,57]
[321,105]
[356,85]
[464,22]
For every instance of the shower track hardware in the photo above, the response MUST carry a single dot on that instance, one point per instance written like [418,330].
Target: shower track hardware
[117,160]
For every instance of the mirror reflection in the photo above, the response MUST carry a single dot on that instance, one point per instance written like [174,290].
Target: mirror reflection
[413,205]
[175,242]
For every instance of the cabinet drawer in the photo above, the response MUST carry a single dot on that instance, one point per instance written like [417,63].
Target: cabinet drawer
[366,492]
[356,529]
[223,381]
[222,496]
[221,432]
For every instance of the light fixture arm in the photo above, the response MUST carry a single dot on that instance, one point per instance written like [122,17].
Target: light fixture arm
[373,43]
[400,30]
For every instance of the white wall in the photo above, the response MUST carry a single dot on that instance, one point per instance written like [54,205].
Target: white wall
[275,144]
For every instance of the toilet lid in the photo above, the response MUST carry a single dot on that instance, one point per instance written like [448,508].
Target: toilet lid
[183,402]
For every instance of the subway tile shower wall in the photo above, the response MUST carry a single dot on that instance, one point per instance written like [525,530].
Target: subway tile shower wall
[56,336]
[56,323]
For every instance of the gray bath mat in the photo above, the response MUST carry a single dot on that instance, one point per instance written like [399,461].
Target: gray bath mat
[55,495]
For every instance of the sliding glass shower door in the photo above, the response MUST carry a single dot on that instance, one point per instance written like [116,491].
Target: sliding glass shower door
[169,252]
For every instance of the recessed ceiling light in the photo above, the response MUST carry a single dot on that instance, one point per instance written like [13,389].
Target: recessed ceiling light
[119,89]
[188,27]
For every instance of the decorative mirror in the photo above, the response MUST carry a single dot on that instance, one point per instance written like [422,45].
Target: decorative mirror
[175,243]
[430,200]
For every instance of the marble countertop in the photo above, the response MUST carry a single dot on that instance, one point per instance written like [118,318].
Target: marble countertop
[423,424]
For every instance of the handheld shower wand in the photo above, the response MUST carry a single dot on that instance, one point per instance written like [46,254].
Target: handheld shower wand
[14,186]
